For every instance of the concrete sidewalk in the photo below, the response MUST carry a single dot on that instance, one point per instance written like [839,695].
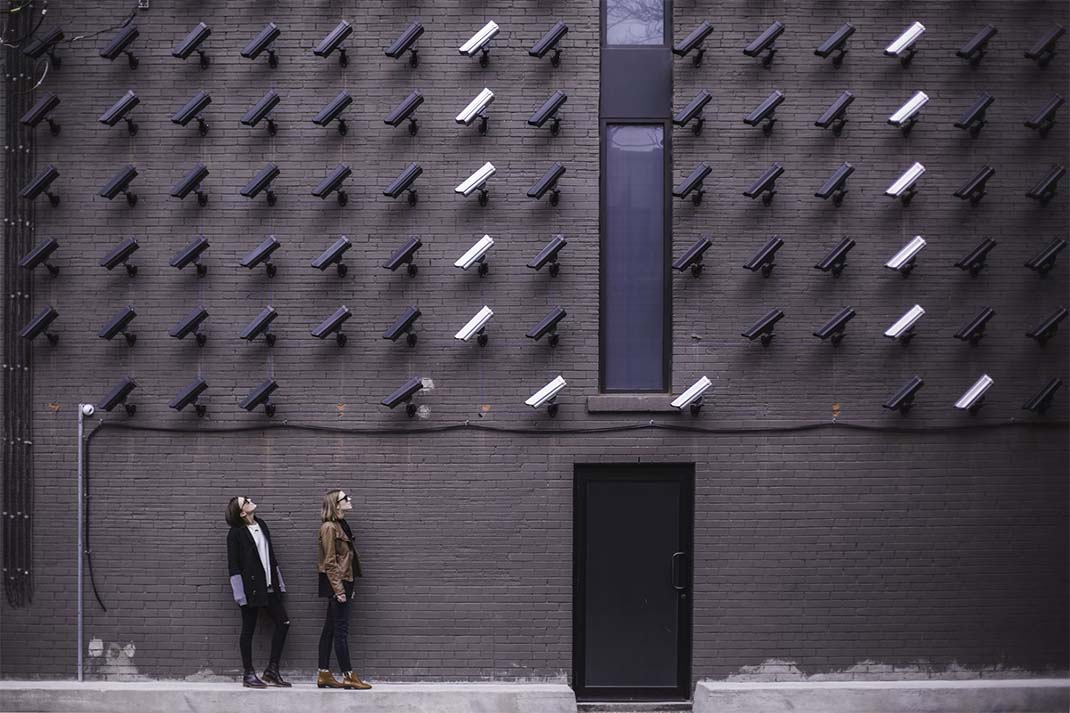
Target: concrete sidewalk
[181,697]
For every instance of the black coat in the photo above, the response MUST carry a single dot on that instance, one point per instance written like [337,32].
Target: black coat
[248,581]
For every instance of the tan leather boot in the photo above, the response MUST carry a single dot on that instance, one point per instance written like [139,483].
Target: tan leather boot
[352,680]
[325,679]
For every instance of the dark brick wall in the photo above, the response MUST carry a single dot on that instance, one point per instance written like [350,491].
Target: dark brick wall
[827,547]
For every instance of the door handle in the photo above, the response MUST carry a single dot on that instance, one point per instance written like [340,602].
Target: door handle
[677,558]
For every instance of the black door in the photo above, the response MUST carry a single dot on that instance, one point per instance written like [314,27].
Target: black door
[632,581]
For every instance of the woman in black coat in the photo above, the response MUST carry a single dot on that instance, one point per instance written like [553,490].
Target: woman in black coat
[257,584]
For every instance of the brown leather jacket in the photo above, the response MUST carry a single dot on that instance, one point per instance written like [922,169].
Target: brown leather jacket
[337,555]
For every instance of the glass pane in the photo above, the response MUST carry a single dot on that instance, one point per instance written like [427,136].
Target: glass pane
[633,260]
[635,22]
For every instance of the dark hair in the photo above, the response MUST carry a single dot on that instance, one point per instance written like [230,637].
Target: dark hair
[234,512]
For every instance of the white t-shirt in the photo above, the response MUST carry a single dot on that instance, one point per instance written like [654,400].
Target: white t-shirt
[262,549]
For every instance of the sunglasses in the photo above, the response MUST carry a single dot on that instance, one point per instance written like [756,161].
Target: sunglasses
[243,501]
[345,499]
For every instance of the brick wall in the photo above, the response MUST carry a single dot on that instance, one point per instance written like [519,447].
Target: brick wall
[825,547]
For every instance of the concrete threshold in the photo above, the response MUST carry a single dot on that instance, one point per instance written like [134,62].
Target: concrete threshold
[181,697]
[1017,695]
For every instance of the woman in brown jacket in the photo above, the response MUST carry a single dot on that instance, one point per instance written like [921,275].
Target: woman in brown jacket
[339,565]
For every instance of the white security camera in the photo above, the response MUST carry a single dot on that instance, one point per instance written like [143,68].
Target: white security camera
[476,254]
[903,329]
[476,325]
[547,394]
[88,409]
[693,396]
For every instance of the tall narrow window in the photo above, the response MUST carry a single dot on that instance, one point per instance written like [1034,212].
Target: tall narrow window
[635,22]
[633,259]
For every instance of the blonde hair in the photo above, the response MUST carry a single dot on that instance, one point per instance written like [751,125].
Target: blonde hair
[330,512]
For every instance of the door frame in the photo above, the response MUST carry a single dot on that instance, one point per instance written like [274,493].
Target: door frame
[581,474]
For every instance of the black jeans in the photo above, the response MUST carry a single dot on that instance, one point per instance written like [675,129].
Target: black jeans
[249,614]
[336,629]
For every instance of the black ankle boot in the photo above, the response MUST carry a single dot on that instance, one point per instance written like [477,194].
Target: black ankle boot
[272,677]
[251,681]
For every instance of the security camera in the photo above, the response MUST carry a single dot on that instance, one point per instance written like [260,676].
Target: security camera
[477,182]
[693,42]
[40,255]
[333,325]
[1046,188]
[120,255]
[333,111]
[1048,327]
[45,43]
[120,394]
[192,44]
[404,111]
[765,258]
[476,254]
[119,44]
[692,397]
[88,409]
[764,112]
[836,185]
[906,116]
[902,330]
[261,181]
[191,110]
[119,324]
[476,325]
[548,255]
[834,115]
[1043,50]
[974,330]
[403,183]
[261,325]
[693,111]
[763,329]
[119,110]
[120,183]
[549,110]
[404,325]
[693,183]
[548,325]
[974,189]
[765,42]
[974,261]
[333,256]
[262,110]
[192,182]
[1044,119]
[765,186]
[404,394]
[547,395]
[477,109]
[974,397]
[333,41]
[974,50]
[478,42]
[903,47]
[189,324]
[40,112]
[261,396]
[1042,401]
[405,255]
[548,182]
[836,260]
[262,254]
[404,43]
[333,182]
[1044,261]
[41,184]
[905,187]
[836,42]
[903,399]
[191,255]
[903,261]
[834,329]
[549,42]
[973,119]
[39,325]
[692,258]
[261,42]
[188,397]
